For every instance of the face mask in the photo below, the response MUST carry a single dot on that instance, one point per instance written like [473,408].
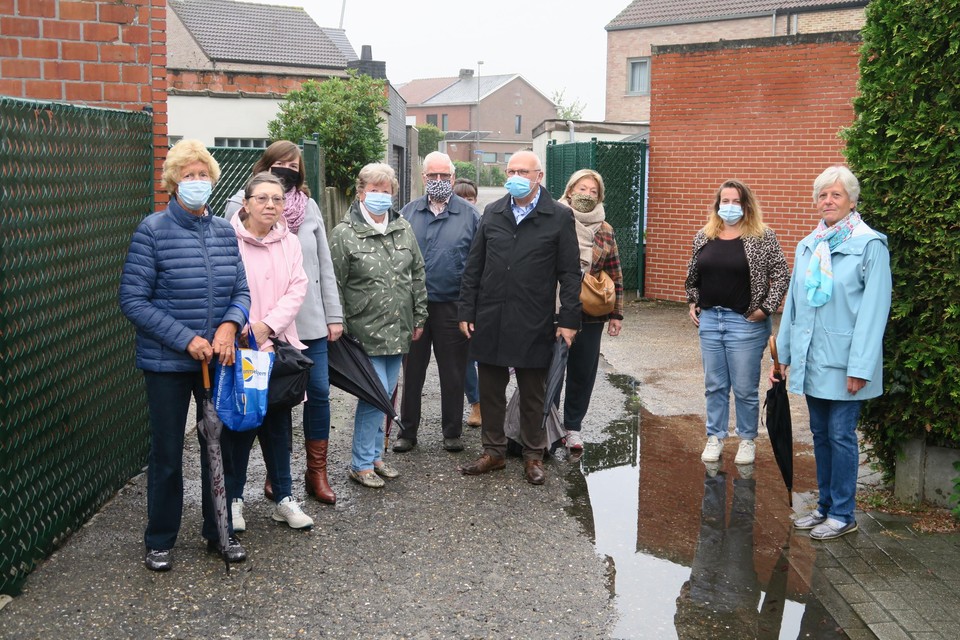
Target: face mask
[730,213]
[377,203]
[518,186]
[584,202]
[287,176]
[439,190]
[193,194]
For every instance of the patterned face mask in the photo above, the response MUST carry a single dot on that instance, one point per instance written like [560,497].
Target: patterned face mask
[439,190]
[583,202]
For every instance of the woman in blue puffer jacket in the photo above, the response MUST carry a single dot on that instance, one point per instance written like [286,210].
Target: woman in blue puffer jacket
[182,274]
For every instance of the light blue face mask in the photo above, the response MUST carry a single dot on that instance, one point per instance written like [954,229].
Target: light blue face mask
[194,194]
[730,213]
[518,186]
[377,203]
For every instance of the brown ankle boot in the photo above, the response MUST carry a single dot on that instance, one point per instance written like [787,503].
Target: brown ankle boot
[315,477]
[268,489]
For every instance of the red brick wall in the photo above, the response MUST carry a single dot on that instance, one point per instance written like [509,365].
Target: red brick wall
[103,53]
[232,82]
[767,112]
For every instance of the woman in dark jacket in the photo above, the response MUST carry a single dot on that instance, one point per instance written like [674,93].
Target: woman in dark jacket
[182,274]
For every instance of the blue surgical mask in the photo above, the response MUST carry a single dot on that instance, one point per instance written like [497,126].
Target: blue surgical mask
[518,186]
[730,213]
[377,203]
[194,194]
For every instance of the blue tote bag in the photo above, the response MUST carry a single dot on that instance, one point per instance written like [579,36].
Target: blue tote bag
[240,390]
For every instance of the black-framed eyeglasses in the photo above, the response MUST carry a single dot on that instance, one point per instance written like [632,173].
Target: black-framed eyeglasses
[521,172]
[438,176]
[263,199]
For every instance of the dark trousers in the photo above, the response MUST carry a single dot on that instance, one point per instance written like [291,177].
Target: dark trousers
[442,332]
[581,375]
[274,442]
[168,400]
[531,384]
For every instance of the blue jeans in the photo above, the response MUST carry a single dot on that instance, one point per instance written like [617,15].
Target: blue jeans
[732,348]
[472,385]
[834,427]
[316,411]
[368,421]
[274,442]
[168,400]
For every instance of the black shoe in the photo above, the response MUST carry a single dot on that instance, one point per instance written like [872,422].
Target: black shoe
[234,553]
[158,559]
[451,444]
[402,445]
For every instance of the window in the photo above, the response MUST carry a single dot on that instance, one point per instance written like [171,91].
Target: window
[517,126]
[489,157]
[432,119]
[249,143]
[444,122]
[638,80]
[506,158]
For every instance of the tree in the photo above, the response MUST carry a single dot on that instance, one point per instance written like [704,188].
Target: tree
[346,113]
[466,170]
[565,111]
[904,147]
[429,139]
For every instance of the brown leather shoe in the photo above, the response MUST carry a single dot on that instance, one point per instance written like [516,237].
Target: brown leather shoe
[484,464]
[315,477]
[533,471]
[268,489]
[474,420]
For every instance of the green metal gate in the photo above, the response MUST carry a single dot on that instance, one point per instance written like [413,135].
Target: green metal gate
[74,184]
[623,166]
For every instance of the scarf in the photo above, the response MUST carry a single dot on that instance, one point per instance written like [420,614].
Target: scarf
[819,275]
[379,227]
[587,226]
[295,209]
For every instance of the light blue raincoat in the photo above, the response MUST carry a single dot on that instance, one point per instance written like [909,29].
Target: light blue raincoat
[824,345]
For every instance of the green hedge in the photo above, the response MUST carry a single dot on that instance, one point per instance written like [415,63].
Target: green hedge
[905,148]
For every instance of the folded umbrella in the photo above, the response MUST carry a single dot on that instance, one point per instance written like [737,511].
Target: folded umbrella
[211,427]
[555,374]
[352,371]
[779,423]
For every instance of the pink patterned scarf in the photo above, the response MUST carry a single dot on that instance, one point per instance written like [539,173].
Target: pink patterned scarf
[295,209]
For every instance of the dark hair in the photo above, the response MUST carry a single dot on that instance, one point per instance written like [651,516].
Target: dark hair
[282,151]
[465,188]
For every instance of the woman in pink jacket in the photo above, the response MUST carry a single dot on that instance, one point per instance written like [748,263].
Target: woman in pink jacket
[274,265]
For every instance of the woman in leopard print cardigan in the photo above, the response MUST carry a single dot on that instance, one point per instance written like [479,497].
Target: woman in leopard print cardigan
[736,278]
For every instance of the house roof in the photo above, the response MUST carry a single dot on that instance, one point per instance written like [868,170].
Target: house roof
[229,31]
[418,91]
[461,90]
[647,13]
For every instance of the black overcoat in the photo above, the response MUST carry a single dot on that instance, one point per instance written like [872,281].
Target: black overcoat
[509,286]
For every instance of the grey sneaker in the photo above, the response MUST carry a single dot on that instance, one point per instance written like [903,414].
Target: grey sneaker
[711,452]
[831,529]
[236,513]
[809,521]
[288,510]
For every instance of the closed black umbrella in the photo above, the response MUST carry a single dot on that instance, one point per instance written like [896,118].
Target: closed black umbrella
[779,423]
[352,371]
[211,427]
[555,374]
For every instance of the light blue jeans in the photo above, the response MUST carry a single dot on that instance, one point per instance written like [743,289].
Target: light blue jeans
[368,421]
[732,348]
[833,424]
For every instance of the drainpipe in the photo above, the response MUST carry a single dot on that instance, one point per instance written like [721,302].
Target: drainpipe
[773,33]
[571,131]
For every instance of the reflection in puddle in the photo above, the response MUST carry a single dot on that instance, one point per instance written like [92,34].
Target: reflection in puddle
[684,558]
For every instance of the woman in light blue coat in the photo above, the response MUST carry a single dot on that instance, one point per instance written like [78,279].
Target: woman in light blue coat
[832,334]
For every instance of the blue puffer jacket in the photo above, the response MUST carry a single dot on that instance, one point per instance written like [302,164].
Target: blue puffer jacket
[181,275]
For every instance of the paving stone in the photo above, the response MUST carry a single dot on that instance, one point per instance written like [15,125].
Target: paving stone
[889,631]
[860,634]
[855,565]
[890,600]
[853,593]
[927,635]
[837,576]
[870,612]
[872,582]
[910,620]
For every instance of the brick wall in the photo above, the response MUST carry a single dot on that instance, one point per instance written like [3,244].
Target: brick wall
[765,111]
[103,53]
[234,81]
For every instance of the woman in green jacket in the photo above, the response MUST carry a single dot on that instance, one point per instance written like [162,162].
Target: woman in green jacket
[380,276]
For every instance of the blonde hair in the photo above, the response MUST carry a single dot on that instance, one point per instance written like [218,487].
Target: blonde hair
[180,155]
[580,175]
[752,223]
[377,173]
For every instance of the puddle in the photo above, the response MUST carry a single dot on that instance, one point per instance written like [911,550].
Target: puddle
[693,552]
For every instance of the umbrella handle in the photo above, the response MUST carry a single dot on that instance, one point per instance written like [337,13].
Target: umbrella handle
[773,354]
[206,375]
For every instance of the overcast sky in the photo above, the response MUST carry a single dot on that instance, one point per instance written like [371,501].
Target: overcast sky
[552,48]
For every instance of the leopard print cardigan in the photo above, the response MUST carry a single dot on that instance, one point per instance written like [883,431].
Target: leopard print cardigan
[769,274]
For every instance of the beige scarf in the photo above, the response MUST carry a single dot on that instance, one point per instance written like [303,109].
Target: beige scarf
[587,226]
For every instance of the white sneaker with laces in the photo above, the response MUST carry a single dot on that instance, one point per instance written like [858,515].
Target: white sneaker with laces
[236,513]
[574,441]
[288,510]
[711,452]
[746,453]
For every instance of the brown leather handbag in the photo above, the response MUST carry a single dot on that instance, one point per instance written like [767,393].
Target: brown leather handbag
[597,294]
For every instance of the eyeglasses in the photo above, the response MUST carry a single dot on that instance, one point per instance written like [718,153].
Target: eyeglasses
[438,176]
[263,199]
[521,172]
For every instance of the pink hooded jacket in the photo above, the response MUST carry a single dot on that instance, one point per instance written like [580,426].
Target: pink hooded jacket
[277,281]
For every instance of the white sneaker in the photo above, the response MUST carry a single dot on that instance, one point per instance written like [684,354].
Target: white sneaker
[711,452]
[236,512]
[746,453]
[809,521]
[574,441]
[289,511]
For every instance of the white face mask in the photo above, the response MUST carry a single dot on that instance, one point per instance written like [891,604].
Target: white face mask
[730,213]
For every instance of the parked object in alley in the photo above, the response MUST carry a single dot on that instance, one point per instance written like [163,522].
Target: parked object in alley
[779,423]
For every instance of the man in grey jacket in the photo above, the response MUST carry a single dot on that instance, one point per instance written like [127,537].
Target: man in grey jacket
[444,224]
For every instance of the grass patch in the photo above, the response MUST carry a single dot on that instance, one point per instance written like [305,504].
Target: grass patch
[929,519]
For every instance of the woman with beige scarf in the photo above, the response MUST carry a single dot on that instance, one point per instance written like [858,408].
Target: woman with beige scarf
[598,252]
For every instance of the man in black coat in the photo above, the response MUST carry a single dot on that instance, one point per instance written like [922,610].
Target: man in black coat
[526,244]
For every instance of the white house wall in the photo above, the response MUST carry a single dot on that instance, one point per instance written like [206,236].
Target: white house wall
[205,118]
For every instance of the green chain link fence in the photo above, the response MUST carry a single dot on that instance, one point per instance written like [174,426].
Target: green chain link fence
[623,166]
[74,184]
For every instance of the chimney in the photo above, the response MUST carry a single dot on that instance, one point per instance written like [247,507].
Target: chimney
[367,66]
[466,73]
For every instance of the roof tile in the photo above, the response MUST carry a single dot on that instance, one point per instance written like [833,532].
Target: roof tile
[643,13]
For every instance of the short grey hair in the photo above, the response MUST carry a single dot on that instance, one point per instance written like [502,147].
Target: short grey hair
[834,174]
[439,155]
[377,173]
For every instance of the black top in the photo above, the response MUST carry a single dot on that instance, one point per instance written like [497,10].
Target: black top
[724,275]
